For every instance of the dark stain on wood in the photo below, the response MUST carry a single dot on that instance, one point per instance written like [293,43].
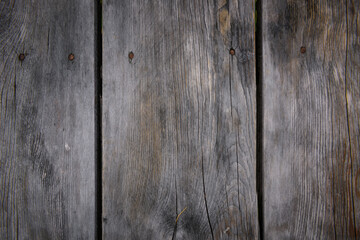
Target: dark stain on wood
[35,151]
[285,21]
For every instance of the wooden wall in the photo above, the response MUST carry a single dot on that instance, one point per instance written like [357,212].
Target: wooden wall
[184,119]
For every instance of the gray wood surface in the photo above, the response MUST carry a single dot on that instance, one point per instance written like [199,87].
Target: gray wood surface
[179,120]
[47,120]
[311,119]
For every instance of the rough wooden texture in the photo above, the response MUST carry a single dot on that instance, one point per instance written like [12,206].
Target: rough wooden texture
[46,120]
[311,119]
[352,86]
[179,120]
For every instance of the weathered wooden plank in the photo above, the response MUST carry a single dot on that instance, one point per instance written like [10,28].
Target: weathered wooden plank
[352,94]
[179,120]
[47,120]
[311,119]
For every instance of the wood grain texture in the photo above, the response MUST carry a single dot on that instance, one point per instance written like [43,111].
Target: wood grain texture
[47,120]
[352,85]
[179,120]
[311,119]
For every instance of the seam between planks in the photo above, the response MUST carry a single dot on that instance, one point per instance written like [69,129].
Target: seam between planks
[98,117]
[259,115]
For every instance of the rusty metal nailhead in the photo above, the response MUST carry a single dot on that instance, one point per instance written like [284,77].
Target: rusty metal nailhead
[21,57]
[232,51]
[131,55]
[303,50]
[71,57]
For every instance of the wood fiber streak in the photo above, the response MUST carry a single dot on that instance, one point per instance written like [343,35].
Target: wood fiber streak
[179,120]
[46,120]
[311,119]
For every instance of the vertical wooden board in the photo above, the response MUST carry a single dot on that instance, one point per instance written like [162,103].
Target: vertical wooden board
[47,120]
[179,120]
[311,119]
[353,108]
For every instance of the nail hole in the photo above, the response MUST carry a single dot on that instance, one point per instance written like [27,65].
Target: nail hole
[21,57]
[232,51]
[131,55]
[71,57]
[303,50]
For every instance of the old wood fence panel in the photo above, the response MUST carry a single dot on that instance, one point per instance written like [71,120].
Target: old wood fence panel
[187,131]
[47,120]
[311,59]
[179,120]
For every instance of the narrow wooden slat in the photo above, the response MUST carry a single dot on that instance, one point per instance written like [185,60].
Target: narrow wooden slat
[47,120]
[179,120]
[311,119]
[352,85]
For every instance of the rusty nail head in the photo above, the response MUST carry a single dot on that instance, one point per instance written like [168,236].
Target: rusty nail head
[303,49]
[21,57]
[131,55]
[232,51]
[71,57]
